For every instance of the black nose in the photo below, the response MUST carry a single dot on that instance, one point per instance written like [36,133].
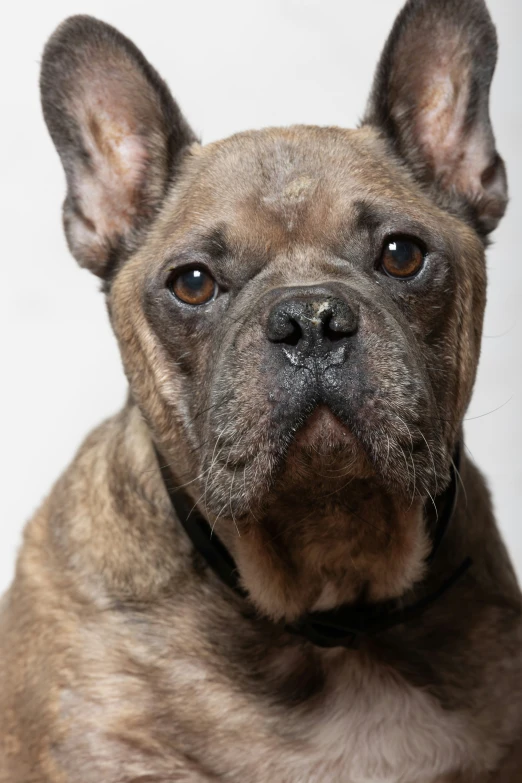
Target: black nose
[312,320]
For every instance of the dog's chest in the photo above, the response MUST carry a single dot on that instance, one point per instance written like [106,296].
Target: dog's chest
[378,730]
[364,726]
[368,726]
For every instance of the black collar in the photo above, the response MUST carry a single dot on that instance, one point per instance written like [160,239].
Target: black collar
[344,625]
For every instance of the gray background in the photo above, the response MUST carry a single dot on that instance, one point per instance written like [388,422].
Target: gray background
[232,65]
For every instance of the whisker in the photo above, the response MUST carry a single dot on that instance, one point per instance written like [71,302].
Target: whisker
[459,477]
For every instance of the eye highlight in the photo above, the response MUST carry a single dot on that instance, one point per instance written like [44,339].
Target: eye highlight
[401,258]
[193,285]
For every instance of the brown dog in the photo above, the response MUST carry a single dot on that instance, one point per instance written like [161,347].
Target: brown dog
[299,313]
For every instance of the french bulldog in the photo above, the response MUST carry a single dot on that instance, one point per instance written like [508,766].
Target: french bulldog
[299,312]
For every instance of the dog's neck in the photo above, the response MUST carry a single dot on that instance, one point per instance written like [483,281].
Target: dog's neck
[159,554]
[344,625]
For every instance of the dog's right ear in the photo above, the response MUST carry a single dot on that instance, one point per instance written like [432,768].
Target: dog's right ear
[118,132]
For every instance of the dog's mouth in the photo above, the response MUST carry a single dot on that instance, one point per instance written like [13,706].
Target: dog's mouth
[322,431]
[324,438]
[285,429]
[319,456]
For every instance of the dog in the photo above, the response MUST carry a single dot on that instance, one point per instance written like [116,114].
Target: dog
[277,562]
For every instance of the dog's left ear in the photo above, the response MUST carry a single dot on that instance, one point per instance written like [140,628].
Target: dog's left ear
[431,98]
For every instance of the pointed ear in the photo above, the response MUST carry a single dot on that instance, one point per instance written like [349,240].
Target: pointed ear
[119,135]
[431,98]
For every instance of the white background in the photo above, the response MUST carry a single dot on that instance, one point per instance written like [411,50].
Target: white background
[232,65]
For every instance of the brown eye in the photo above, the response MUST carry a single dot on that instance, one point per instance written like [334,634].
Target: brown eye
[402,258]
[193,286]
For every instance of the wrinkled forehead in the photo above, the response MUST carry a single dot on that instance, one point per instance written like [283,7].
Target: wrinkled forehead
[275,187]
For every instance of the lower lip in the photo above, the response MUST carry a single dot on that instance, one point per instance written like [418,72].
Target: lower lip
[324,426]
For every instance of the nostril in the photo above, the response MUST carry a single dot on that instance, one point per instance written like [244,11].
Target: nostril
[332,334]
[295,333]
[284,328]
[290,334]
[312,323]
[337,327]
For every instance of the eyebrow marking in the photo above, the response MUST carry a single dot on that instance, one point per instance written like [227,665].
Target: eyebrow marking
[368,216]
[214,243]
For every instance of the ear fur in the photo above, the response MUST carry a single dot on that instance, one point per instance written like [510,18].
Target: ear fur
[118,132]
[431,99]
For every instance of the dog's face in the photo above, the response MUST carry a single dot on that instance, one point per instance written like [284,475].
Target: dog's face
[299,310]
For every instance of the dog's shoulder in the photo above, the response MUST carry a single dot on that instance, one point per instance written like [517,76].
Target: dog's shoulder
[33,639]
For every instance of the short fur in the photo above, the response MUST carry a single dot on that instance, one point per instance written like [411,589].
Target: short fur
[122,656]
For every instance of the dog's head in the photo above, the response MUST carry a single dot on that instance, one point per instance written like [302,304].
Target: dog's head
[299,309]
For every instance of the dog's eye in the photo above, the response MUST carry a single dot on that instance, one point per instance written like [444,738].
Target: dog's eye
[402,258]
[194,286]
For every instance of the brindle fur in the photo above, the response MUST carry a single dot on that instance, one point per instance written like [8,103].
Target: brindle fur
[123,657]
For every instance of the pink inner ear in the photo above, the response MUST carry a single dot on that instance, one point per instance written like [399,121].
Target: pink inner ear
[433,83]
[109,191]
[458,155]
